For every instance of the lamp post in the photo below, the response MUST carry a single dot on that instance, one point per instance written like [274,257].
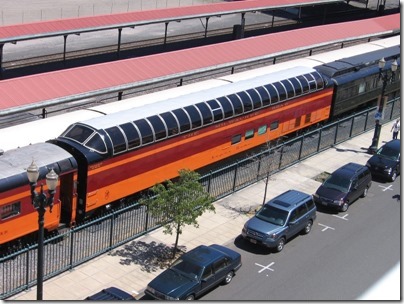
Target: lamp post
[385,77]
[40,201]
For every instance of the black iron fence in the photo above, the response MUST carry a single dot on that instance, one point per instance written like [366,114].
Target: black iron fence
[77,245]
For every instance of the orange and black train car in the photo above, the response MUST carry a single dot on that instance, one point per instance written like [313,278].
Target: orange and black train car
[126,152]
[105,159]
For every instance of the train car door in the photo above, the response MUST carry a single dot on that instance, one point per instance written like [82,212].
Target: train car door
[68,198]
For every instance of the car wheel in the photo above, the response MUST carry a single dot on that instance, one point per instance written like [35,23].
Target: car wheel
[190,297]
[345,207]
[280,245]
[228,277]
[365,192]
[307,228]
[393,176]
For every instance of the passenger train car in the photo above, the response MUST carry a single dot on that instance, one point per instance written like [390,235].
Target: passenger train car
[130,145]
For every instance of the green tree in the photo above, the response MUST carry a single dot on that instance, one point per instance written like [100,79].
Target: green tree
[179,203]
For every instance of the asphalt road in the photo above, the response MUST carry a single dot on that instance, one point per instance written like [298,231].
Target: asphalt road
[342,257]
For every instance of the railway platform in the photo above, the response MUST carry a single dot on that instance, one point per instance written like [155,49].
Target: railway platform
[133,265]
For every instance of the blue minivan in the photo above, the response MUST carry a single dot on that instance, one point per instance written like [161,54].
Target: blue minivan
[280,219]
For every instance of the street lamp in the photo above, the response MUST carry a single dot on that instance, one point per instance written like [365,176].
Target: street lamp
[40,201]
[385,77]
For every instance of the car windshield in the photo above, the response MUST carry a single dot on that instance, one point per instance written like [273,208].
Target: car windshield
[388,152]
[337,182]
[186,268]
[272,215]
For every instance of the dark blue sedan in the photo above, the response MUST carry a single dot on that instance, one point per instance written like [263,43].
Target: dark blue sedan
[195,272]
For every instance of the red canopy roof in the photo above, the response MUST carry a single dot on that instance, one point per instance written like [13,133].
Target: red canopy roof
[50,88]
[95,23]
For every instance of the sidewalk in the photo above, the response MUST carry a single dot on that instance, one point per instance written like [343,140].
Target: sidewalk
[130,267]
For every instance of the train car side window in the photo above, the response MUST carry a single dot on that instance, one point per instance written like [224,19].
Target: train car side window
[10,210]
[117,138]
[237,105]
[362,87]
[266,100]
[145,130]
[246,100]
[249,134]
[305,84]
[96,143]
[78,133]
[159,127]
[290,90]
[132,135]
[297,86]
[274,125]
[216,109]
[183,119]
[281,90]
[227,106]
[236,139]
[255,97]
[298,120]
[273,93]
[171,123]
[262,129]
[196,119]
[308,118]
[207,116]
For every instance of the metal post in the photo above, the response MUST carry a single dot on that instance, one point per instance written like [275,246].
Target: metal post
[64,48]
[242,25]
[206,27]
[165,33]
[1,58]
[41,215]
[379,114]
[40,202]
[119,42]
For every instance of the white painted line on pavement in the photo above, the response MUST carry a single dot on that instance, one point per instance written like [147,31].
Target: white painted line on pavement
[389,187]
[341,217]
[265,267]
[326,227]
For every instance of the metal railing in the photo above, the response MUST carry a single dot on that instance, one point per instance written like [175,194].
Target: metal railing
[77,245]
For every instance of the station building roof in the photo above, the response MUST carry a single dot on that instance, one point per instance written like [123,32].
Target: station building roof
[48,89]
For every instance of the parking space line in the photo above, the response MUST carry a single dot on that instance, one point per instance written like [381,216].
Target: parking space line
[326,227]
[265,267]
[341,217]
[389,187]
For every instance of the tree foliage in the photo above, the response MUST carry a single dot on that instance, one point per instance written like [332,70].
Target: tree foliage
[180,203]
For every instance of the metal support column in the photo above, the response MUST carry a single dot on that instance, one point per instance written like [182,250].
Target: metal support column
[242,25]
[165,33]
[206,27]
[64,48]
[1,58]
[119,41]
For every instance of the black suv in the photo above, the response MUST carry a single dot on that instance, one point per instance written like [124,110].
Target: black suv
[386,162]
[344,186]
